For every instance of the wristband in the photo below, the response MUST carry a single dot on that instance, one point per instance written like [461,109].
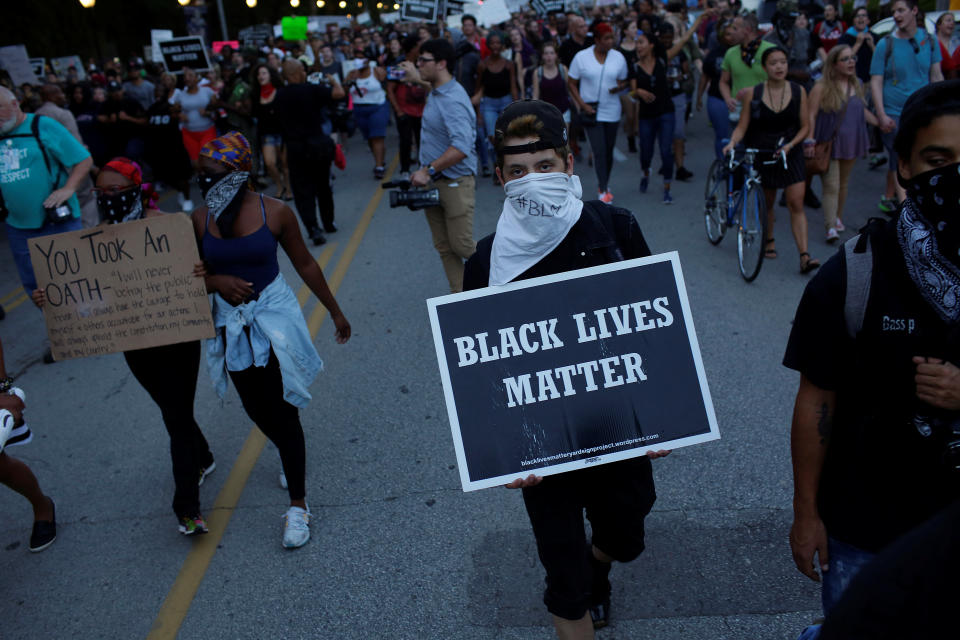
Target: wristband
[809,141]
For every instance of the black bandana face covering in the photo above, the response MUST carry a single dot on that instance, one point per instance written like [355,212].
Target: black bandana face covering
[937,195]
[120,206]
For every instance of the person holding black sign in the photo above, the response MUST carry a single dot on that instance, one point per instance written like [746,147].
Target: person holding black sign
[535,164]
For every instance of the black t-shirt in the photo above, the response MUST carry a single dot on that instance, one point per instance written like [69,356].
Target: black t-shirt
[882,475]
[301,108]
[657,84]
[713,69]
[122,130]
[570,48]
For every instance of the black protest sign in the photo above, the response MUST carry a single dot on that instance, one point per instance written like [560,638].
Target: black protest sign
[184,52]
[545,7]
[121,287]
[419,10]
[582,368]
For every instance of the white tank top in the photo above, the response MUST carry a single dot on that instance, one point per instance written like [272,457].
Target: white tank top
[370,87]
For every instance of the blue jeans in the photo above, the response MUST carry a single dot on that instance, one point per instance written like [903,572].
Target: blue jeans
[19,238]
[720,119]
[660,130]
[845,561]
[490,109]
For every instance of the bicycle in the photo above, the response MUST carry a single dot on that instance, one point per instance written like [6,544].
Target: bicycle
[748,201]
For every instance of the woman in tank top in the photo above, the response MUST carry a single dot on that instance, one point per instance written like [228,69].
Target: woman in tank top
[838,112]
[550,81]
[496,87]
[628,47]
[774,118]
[370,107]
[262,341]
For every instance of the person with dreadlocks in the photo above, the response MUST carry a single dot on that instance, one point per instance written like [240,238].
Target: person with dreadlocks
[262,341]
[168,372]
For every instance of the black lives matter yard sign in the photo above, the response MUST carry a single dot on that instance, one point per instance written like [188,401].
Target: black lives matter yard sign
[121,287]
[562,372]
[184,52]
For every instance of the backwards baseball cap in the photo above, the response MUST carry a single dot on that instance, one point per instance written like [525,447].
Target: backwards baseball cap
[552,132]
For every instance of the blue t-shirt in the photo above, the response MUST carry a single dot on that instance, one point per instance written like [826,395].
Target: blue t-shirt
[24,178]
[905,71]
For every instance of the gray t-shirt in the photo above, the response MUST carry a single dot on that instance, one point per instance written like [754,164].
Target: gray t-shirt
[192,104]
[449,121]
[142,93]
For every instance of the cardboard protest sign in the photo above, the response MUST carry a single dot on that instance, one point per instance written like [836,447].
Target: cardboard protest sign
[121,287]
[572,370]
[255,36]
[293,27]
[545,7]
[16,62]
[184,52]
[156,37]
[492,12]
[419,10]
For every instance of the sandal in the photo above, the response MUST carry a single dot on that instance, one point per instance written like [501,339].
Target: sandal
[808,264]
[770,252]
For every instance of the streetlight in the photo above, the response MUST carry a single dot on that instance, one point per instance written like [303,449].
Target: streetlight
[294,3]
[87,4]
[183,3]
[251,3]
[343,4]
[321,4]
[396,7]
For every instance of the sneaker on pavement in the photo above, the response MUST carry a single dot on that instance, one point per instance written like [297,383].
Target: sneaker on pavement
[644,183]
[667,198]
[296,527]
[193,525]
[6,427]
[606,197]
[44,532]
[840,227]
[205,471]
[832,236]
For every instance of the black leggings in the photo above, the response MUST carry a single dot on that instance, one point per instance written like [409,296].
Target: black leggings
[261,392]
[169,374]
[603,138]
[309,164]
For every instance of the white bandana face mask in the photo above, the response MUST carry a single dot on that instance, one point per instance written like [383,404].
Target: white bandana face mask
[539,211]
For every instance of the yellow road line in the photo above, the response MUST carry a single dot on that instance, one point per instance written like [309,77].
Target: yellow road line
[16,303]
[323,260]
[10,296]
[174,609]
[334,281]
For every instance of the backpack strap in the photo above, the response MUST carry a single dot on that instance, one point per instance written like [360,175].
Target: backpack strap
[35,130]
[858,257]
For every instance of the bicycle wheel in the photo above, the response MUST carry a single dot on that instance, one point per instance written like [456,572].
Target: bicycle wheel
[752,232]
[715,202]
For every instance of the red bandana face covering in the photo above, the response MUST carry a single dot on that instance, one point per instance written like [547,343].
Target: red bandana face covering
[266,90]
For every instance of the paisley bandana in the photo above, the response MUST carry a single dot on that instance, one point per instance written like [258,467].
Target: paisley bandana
[937,278]
[225,191]
[122,206]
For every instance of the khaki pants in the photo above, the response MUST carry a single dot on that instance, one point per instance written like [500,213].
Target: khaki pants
[835,182]
[451,225]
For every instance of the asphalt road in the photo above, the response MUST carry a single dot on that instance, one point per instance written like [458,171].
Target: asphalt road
[397,549]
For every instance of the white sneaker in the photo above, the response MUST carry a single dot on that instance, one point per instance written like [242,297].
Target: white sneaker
[296,527]
[832,236]
[187,206]
[6,427]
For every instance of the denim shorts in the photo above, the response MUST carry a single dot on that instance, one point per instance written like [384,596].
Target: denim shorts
[372,119]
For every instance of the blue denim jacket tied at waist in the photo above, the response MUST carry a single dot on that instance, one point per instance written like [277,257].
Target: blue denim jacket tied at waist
[274,320]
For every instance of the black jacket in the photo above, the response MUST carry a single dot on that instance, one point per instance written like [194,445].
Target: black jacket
[602,235]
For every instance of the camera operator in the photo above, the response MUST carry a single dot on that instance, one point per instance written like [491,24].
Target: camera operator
[876,424]
[448,156]
[310,151]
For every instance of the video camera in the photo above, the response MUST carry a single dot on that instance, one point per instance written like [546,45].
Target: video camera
[412,199]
